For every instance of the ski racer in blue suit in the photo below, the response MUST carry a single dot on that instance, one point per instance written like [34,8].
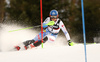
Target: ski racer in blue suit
[50,33]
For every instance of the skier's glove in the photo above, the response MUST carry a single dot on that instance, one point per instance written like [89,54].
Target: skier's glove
[44,25]
[70,43]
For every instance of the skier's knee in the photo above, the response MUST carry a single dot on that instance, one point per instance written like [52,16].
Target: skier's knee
[37,43]
[45,39]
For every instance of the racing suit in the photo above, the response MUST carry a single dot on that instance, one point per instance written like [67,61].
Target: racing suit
[51,32]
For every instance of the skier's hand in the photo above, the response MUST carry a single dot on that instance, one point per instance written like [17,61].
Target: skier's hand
[44,25]
[71,43]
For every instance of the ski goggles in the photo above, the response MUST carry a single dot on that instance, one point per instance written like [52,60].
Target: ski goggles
[53,17]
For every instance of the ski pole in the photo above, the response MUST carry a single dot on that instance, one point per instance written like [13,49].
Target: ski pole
[50,23]
[24,28]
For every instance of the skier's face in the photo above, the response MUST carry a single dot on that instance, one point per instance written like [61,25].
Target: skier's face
[53,18]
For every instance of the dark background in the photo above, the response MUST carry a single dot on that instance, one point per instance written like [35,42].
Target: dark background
[27,12]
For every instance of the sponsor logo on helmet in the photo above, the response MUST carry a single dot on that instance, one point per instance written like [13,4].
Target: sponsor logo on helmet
[53,13]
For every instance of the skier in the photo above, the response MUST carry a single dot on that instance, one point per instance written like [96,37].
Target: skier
[50,33]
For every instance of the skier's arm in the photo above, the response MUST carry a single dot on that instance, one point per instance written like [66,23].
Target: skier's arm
[66,34]
[45,22]
[64,30]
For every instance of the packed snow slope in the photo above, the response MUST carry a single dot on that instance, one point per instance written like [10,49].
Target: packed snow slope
[57,51]
[53,54]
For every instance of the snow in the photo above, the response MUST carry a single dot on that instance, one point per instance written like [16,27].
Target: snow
[53,54]
[58,51]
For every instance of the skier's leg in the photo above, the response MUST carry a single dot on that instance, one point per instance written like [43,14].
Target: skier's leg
[32,43]
[50,38]
[24,45]
[37,43]
[47,37]
[38,37]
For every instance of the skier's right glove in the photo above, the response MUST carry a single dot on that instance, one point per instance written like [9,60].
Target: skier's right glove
[70,43]
[44,25]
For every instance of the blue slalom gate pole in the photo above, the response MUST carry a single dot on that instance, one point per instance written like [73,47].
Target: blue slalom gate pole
[84,36]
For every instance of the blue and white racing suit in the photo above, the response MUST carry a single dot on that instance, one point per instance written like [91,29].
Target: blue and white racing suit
[52,31]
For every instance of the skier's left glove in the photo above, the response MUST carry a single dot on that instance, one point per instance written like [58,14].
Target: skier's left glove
[71,43]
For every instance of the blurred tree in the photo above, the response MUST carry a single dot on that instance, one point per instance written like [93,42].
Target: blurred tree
[92,20]
[24,11]
[2,2]
[28,12]
[92,14]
